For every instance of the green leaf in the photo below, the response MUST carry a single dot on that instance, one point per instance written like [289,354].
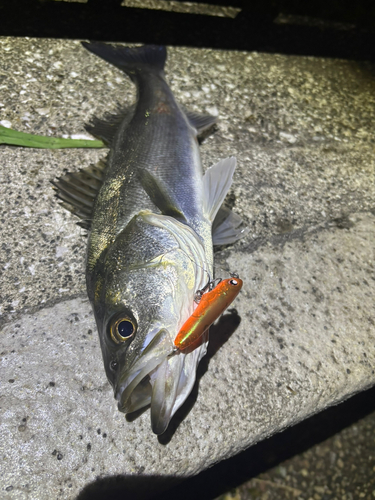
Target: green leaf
[14,138]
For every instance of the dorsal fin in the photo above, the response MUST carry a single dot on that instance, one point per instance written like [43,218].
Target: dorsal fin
[78,191]
[105,128]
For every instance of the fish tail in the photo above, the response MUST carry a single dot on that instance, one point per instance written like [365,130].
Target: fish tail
[130,60]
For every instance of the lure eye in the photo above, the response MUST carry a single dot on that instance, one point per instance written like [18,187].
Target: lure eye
[122,329]
[233,282]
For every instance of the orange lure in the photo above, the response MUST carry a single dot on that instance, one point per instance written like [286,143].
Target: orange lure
[211,305]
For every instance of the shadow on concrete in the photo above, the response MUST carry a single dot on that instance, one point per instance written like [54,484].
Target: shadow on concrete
[231,473]
[127,487]
[259,458]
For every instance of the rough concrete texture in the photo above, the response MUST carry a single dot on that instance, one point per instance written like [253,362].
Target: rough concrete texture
[304,337]
[342,467]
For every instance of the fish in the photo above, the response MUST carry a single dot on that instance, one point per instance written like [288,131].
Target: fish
[211,304]
[152,218]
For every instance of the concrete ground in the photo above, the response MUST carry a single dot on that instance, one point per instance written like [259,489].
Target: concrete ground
[330,456]
[302,334]
[341,467]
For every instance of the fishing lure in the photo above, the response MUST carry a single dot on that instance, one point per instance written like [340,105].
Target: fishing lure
[211,305]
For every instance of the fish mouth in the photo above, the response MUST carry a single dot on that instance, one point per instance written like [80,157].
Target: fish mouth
[156,351]
[160,377]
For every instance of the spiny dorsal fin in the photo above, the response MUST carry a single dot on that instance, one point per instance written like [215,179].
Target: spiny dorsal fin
[105,128]
[78,191]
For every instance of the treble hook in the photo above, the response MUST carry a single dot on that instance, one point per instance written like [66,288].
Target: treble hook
[209,286]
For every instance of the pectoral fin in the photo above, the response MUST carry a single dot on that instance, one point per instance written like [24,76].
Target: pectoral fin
[159,195]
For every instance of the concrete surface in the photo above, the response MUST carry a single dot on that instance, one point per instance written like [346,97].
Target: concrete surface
[304,337]
[339,468]
[342,468]
[328,456]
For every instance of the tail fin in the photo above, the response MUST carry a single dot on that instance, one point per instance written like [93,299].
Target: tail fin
[129,59]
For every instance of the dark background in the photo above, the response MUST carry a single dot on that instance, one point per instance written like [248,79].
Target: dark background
[326,28]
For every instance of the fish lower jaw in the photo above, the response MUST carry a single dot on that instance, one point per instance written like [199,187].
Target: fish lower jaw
[139,398]
[141,395]
[134,388]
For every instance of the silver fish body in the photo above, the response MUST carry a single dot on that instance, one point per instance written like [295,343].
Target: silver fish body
[150,246]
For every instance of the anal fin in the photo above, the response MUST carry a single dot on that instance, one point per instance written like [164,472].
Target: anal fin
[228,227]
[203,123]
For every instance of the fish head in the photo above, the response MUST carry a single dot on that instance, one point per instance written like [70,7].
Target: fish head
[149,281]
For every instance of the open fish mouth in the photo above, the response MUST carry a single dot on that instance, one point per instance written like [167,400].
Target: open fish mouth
[160,347]
[160,378]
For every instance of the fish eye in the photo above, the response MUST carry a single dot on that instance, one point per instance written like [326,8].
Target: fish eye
[122,329]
